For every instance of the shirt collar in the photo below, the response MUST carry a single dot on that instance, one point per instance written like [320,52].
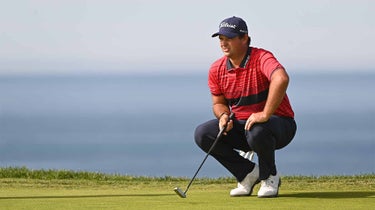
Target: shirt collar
[244,61]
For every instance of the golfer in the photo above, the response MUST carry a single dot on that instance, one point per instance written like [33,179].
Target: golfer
[252,84]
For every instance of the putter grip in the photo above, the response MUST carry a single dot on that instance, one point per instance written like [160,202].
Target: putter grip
[229,118]
[226,124]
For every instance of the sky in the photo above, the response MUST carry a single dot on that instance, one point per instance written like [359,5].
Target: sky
[170,36]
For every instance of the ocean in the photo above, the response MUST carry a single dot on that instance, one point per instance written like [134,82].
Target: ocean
[143,125]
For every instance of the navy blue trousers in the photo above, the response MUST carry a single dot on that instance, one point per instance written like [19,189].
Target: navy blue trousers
[263,138]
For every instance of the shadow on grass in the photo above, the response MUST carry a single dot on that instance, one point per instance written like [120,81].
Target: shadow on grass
[319,195]
[82,196]
[330,195]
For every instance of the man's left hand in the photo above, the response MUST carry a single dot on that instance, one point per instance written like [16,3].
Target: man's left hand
[258,117]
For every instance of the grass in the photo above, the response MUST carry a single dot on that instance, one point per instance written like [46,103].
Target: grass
[22,188]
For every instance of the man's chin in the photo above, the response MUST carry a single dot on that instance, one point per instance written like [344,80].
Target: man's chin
[226,54]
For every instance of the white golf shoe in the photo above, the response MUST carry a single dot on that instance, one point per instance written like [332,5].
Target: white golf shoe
[270,187]
[245,187]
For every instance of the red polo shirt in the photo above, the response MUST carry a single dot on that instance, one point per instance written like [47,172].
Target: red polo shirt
[246,88]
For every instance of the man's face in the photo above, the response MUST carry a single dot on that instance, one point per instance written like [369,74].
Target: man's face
[231,47]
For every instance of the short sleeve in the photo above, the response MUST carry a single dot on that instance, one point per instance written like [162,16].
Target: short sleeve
[269,64]
[213,82]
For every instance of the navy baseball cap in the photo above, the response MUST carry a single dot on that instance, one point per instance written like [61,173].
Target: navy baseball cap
[232,27]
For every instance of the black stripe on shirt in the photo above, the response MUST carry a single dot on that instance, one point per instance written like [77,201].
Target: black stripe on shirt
[249,100]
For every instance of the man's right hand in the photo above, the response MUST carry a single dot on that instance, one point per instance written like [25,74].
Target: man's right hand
[223,120]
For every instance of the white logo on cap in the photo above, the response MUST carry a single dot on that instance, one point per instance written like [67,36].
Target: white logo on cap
[227,25]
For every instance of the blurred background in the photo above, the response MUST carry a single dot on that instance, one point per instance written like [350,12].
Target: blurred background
[119,86]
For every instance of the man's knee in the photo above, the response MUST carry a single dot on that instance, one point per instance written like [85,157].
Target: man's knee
[259,137]
[204,134]
[198,135]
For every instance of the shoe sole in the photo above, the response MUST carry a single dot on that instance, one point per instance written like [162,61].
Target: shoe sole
[272,196]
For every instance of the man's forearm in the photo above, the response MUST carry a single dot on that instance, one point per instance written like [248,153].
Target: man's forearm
[219,106]
[220,109]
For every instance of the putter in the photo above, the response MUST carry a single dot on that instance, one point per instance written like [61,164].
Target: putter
[181,193]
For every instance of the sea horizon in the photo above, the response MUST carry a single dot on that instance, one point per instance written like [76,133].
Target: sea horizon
[143,125]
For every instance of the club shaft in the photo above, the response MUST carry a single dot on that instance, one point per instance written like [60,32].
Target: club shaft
[219,135]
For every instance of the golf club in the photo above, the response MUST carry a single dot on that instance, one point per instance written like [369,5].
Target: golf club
[181,193]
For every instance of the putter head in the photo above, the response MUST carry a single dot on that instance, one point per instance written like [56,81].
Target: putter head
[179,192]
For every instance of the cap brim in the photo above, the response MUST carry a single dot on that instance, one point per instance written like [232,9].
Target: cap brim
[227,34]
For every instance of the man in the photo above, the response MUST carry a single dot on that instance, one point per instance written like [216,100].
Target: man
[252,84]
